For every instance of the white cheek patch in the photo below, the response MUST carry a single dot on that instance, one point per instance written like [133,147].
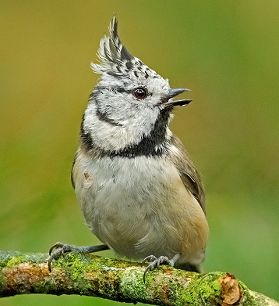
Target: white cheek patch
[130,131]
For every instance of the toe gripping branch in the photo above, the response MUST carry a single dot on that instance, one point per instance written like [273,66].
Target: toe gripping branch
[155,262]
[60,249]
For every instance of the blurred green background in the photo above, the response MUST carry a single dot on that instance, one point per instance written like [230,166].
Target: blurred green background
[225,51]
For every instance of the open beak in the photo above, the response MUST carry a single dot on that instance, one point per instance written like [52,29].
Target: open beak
[173,92]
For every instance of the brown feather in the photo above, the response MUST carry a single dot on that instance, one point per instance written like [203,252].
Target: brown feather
[188,173]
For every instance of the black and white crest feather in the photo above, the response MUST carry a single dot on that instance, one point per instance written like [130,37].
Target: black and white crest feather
[112,53]
[115,59]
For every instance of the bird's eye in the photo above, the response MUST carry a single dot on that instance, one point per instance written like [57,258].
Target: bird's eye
[139,93]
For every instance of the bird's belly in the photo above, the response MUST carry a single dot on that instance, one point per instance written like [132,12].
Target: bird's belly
[133,205]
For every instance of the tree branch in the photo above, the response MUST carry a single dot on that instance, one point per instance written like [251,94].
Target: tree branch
[119,280]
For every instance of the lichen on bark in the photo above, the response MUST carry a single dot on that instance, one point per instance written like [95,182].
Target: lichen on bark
[120,280]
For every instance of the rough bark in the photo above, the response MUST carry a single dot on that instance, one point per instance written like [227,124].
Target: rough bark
[119,280]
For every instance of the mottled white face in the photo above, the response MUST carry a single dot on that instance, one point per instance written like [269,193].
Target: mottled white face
[131,96]
[124,109]
[130,104]
[132,89]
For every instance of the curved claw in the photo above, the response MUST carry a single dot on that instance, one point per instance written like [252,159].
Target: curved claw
[149,258]
[57,250]
[49,262]
[55,246]
[155,262]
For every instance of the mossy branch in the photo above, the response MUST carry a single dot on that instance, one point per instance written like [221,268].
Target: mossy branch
[119,280]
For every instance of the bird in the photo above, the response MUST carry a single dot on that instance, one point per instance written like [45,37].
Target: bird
[138,189]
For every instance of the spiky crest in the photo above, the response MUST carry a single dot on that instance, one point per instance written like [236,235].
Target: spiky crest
[112,53]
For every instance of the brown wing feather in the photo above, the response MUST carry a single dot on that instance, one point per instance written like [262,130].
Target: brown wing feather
[72,171]
[188,173]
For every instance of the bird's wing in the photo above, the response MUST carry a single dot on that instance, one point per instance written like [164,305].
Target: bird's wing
[72,171]
[81,174]
[187,171]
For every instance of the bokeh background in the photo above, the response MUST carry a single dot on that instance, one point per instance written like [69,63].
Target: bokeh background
[225,51]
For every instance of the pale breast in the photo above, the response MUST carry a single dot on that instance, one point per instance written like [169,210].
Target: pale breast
[138,206]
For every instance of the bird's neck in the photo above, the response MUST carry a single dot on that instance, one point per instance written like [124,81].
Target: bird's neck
[109,139]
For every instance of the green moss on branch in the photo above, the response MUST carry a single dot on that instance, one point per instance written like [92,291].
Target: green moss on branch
[119,280]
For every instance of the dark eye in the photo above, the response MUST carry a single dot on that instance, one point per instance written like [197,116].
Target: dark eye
[139,93]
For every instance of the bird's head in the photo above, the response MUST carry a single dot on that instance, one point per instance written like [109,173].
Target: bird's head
[130,106]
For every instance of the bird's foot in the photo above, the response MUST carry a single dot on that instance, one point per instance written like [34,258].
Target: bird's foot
[60,249]
[155,262]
